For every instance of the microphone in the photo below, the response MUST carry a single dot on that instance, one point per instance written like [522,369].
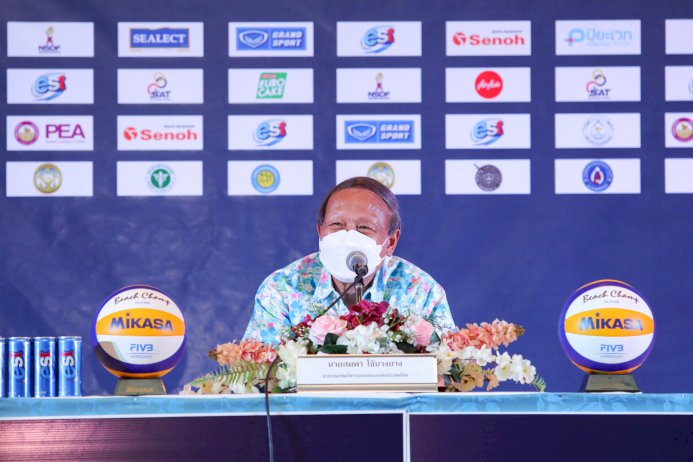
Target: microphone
[358,263]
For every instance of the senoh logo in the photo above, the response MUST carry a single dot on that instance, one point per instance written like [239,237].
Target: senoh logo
[270,132]
[473,40]
[173,134]
[487,131]
[49,86]
[378,39]
[488,84]
[165,37]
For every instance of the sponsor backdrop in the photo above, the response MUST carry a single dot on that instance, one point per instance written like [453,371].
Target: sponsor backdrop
[187,145]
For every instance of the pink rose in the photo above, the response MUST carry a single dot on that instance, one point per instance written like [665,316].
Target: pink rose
[422,331]
[326,325]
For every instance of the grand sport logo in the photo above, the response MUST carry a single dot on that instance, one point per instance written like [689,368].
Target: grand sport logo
[387,131]
[488,38]
[159,133]
[271,39]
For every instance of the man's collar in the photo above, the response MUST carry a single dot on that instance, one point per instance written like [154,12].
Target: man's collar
[325,291]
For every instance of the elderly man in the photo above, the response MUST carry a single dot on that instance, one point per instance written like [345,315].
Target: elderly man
[359,214]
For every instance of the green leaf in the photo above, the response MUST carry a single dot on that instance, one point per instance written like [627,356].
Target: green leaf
[240,373]
[406,347]
[435,338]
[539,383]
[330,339]
[333,349]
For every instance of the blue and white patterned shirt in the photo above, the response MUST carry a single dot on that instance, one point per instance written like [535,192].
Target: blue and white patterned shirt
[303,287]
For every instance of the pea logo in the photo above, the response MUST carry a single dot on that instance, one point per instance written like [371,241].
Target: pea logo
[139,332]
[607,327]
[265,179]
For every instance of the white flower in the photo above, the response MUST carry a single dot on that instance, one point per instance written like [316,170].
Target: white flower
[364,339]
[288,353]
[484,356]
[503,368]
[522,370]
[444,356]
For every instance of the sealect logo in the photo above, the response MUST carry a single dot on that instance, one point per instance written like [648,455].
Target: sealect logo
[163,37]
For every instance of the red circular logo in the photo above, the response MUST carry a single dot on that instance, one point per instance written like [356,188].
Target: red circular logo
[488,84]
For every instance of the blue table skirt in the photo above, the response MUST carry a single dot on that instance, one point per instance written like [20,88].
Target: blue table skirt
[422,403]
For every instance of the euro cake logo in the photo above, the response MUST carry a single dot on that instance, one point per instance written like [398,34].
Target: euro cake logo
[265,179]
[270,132]
[378,39]
[271,85]
[271,38]
[487,131]
[382,132]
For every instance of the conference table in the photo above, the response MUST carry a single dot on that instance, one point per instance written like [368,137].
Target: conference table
[354,426]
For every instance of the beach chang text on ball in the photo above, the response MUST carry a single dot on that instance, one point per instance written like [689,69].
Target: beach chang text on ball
[607,327]
[139,332]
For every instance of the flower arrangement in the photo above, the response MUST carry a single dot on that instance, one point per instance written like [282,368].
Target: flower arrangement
[467,358]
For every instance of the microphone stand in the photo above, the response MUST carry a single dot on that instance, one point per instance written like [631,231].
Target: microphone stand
[361,271]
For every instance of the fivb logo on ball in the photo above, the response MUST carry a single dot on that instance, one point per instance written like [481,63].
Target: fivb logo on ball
[607,327]
[139,332]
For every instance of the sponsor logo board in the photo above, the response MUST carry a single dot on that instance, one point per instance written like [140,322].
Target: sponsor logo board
[270,132]
[50,39]
[50,133]
[379,85]
[487,131]
[678,84]
[597,84]
[488,85]
[488,38]
[50,86]
[597,176]
[612,130]
[49,179]
[160,178]
[391,131]
[376,39]
[160,39]
[488,176]
[160,86]
[160,133]
[678,176]
[678,130]
[401,176]
[268,86]
[679,36]
[252,39]
[270,177]
[598,37]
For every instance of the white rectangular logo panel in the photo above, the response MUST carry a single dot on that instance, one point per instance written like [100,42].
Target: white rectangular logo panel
[160,133]
[49,179]
[270,132]
[678,84]
[253,39]
[50,39]
[268,86]
[160,178]
[678,129]
[679,36]
[598,84]
[392,131]
[270,177]
[598,37]
[487,131]
[487,85]
[678,176]
[488,176]
[401,176]
[379,85]
[50,86]
[375,39]
[50,133]
[597,176]
[160,86]
[597,131]
[160,39]
[488,38]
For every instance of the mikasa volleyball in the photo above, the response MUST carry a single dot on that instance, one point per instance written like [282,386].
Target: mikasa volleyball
[607,327]
[139,332]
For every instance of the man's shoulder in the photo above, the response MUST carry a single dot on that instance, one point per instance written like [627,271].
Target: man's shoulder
[400,269]
[297,272]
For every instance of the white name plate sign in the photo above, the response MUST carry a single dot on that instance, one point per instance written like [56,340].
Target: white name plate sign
[391,372]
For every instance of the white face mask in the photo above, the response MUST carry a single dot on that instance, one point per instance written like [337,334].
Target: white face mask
[336,247]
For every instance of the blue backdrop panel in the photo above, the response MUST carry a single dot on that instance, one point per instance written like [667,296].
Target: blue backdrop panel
[514,257]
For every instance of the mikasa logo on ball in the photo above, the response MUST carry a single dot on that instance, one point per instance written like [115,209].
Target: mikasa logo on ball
[140,323]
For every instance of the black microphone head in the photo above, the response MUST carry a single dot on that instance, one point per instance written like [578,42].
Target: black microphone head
[356,258]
